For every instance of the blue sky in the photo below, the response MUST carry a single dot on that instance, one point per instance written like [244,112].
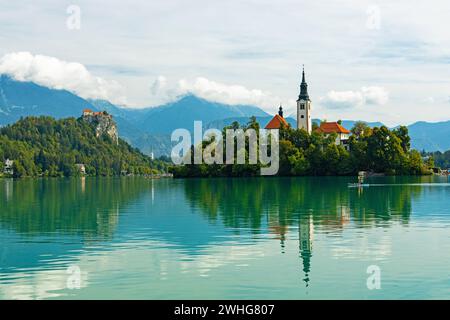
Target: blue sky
[373,60]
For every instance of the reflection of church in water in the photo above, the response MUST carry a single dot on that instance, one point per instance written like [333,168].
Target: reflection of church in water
[278,225]
[305,238]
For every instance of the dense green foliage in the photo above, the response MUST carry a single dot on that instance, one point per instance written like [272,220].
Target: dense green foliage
[441,159]
[43,146]
[371,149]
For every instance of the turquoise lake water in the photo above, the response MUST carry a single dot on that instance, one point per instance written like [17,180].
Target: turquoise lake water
[260,238]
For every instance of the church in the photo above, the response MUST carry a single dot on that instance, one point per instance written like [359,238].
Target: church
[304,120]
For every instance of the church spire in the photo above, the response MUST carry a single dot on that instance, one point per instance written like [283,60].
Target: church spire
[303,87]
[280,111]
[303,75]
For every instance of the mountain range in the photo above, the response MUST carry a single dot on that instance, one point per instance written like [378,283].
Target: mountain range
[149,128]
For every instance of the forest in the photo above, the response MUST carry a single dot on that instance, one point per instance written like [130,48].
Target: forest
[43,146]
[377,150]
[441,159]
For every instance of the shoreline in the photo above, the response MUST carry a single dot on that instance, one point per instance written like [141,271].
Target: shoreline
[156,176]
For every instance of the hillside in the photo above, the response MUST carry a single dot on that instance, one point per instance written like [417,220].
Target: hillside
[48,147]
[183,112]
[23,99]
[430,136]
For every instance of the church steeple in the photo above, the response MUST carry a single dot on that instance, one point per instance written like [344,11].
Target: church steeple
[280,111]
[304,106]
[303,88]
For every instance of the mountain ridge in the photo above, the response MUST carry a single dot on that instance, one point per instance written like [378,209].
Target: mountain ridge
[149,128]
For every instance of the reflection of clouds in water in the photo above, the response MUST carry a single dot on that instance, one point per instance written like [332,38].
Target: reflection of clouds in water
[127,260]
[42,284]
[227,255]
[363,248]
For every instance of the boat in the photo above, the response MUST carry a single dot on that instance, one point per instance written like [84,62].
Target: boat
[358,185]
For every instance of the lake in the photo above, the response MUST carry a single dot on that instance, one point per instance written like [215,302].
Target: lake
[256,238]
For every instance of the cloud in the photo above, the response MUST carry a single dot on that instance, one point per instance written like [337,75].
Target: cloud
[215,91]
[343,99]
[375,95]
[159,85]
[230,94]
[57,74]
[430,100]
[350,99]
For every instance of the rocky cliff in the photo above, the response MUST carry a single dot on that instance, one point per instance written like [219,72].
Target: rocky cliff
[104,124]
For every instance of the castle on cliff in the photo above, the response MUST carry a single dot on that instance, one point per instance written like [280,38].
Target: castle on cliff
[104,123]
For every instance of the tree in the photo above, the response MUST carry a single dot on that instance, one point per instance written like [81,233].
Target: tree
[359,129]
[378,149]
[253,124]
[287,150]
[402,133]
[315,126]
[235,125]
[49,147]
[430,162]
[18,169]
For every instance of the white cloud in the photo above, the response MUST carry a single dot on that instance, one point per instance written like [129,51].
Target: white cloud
[216,91]
[349,99]
[375,95]
[230,94]
[430,100]
[343,99]
[159,85]
[57,74]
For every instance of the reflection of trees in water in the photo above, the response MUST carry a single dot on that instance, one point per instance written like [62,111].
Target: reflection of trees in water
[381,204]
[309,203]
[85,206]
[248,203]
[386,199]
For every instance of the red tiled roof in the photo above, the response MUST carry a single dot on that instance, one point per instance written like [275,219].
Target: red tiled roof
[87,110]
[276,122]
[331,127]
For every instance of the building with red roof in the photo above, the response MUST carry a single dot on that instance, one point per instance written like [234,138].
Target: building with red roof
[87,112]
[343,134]
[277,121]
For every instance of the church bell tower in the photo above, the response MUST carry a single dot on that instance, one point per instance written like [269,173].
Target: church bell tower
[304,107]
